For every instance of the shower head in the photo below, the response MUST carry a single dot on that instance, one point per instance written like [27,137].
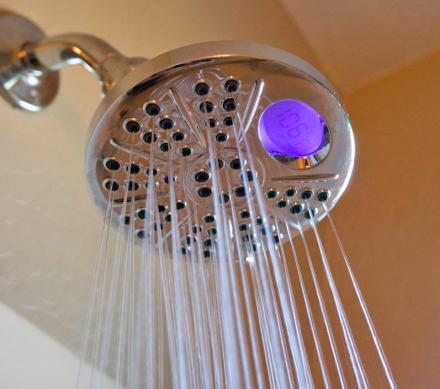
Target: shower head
[275,126]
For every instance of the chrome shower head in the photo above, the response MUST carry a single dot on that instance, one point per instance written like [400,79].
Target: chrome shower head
[274,123]
[250,100]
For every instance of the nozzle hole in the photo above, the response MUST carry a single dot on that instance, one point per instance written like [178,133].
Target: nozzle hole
[209,218]
[133,168]
[201,176]
[249,175]
[148,171]
[186,151]
[190,239]
[156,226]
[164,147]
[112,164]
[220,164]
[244,214]
[141,214]
[132,186]
[228,121]
[282,204]
[204,191]
[111,185]
[166,179]
[323,195]
[202,88]
[206,106]
[152,109]
[178,136]
[290,192]
[232,86]
[196,229]
[229,105]
[221,137]
[132,126]
[235,164]
[166,124]
[240,191]
[271,193]
[180,205]
[310,213]
[296,208]
[149,137]
[306,194]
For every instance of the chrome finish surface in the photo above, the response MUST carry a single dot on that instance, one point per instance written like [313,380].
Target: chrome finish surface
[265,75]
[20,86]
[93,53]
[29,62]
[305,178]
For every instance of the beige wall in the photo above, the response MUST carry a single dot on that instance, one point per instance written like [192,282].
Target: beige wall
[389,219]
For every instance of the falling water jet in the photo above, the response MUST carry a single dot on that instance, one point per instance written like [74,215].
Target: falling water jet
[223,289]
[293,342]
[325,316]
[262,259]
[297,323]
[364,308]
[117,259]
[241,263]
[311,320]
[353,352]
[149,263]
[96,294]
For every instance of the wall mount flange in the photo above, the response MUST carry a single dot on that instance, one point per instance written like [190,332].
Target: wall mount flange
[23,88]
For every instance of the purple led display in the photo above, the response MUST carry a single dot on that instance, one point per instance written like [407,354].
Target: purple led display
[291,128]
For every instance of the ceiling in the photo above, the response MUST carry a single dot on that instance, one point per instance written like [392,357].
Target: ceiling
[359,40]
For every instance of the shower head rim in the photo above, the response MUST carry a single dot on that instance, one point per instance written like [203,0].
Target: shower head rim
[172,60]
[169,63]
[200,53]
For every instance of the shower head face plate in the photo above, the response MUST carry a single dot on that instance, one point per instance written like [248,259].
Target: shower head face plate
[161,121]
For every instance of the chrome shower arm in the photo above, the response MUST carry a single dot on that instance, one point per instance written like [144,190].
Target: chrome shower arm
[97,56]
[30,62]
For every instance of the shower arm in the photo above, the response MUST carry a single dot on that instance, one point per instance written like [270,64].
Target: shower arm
[94,54]
[30,61]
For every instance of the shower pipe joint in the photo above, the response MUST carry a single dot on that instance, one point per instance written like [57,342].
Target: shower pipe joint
[55,53]
[30,61]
